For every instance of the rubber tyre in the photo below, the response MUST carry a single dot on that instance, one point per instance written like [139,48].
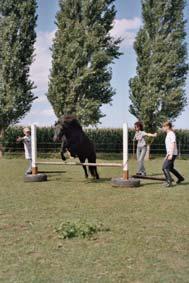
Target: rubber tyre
[35,178]
[130,183]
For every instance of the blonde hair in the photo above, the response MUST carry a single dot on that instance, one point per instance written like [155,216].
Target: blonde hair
[26,130]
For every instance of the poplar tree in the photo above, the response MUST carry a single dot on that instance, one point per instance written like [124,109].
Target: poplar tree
[157,92]
[17,38]
[82,52]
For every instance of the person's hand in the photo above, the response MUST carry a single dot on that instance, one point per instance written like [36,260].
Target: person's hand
[170,157]
[18,139]
[155,135]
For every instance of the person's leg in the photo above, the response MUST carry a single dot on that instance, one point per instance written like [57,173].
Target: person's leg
[142,157]
[29,170]
[176,173]
[138,160]
[167,165]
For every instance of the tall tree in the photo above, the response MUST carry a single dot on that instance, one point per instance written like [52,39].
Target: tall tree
[83,50]
[17,38]
[157,91]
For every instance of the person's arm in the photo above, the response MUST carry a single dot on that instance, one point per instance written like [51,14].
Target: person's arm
[134,138]
[151,135]
[20,139]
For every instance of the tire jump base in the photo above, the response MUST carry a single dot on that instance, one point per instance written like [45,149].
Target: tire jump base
[123,183]
[35,178]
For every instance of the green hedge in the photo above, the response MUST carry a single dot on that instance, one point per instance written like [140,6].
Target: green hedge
[106,140]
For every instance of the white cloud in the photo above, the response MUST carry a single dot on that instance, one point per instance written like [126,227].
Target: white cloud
[126,29]
[41,99]
[42,64]
[48,112]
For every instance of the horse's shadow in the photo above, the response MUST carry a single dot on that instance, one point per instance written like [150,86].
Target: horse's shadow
[99,181]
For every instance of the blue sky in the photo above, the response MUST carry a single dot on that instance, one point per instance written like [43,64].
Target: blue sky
[127,23]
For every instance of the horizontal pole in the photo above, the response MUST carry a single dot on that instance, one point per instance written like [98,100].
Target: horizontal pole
[81,164]
[149,178]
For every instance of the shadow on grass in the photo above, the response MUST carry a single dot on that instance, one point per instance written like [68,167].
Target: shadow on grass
[155,174]
[183,184]
[52,172]
[100,181]
[150,184]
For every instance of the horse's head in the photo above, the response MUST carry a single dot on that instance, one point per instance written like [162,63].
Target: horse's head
[64,126]
[58,132]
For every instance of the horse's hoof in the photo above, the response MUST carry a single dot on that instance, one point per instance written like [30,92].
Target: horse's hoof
[97,177]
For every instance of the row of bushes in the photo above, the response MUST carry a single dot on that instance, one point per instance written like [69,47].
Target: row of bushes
[106,140]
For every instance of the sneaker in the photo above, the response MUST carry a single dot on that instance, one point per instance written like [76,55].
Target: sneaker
[179,181]
[143,174]
[139,174]
[168,185]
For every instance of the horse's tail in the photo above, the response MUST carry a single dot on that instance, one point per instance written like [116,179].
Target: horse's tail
[93,169]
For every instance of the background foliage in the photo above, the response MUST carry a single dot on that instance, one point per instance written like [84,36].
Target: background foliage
[157,92]
[82,53]
[106,140]
[17,37]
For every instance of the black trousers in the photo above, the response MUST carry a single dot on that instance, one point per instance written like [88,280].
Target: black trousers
[168,165]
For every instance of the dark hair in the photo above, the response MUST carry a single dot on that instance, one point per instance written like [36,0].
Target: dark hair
[168,124]
[139,125]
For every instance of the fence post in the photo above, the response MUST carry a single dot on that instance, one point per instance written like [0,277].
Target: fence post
[34,149]
[125,152]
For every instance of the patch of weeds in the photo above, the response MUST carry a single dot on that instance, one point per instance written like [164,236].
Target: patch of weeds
[81,229]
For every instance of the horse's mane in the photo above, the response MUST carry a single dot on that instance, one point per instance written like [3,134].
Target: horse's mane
[70,119]
[75,123]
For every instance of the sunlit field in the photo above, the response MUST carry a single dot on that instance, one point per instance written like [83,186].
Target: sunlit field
[147,241]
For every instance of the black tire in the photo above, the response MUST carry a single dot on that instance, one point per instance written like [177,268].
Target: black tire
[35,178]
[130,183]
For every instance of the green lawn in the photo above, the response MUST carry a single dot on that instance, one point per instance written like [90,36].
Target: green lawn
[148,239]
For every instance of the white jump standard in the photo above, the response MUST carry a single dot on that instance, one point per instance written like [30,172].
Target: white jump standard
[125,181]
[35,177]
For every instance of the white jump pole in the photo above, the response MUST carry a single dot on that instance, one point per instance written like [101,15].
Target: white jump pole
[125,152]
[34,149]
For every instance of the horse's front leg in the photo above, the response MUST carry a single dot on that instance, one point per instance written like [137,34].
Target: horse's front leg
[63,149]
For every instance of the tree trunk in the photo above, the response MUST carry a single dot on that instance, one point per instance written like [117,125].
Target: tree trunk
[148,156]
[1,142]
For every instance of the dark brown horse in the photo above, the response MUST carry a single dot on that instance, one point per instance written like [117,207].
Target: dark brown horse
[70,133]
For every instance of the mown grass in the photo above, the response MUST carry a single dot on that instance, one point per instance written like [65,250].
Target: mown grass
[148,239]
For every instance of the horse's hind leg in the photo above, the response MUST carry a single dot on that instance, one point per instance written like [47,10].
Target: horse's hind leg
[85,170]
[82,160]
[96,174]
[93,169]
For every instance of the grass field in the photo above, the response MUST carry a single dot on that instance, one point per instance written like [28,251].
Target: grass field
[148,239]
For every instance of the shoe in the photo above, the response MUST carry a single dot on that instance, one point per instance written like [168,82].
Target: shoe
[179,181]
[168,178]
[28,173]
[168,185]
[138,174]
[143,174]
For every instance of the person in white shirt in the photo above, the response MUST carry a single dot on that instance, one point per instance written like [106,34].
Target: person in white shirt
[171,155]
[140,135]
[26,139]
